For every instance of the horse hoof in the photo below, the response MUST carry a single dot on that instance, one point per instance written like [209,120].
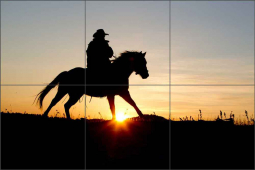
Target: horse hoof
[44,116]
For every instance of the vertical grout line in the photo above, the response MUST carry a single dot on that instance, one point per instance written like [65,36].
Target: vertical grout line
[170,84]
[0,83]
[85,120]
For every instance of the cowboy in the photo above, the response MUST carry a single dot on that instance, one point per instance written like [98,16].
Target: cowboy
[99,52]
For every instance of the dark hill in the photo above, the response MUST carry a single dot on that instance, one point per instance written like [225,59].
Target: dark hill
[31,141]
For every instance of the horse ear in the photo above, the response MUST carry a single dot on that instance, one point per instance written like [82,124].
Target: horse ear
[141,52]
[144,54]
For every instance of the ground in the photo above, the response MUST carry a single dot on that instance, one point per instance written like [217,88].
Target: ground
[30,141]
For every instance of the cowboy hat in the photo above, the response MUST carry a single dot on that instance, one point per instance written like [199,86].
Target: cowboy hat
[100,32]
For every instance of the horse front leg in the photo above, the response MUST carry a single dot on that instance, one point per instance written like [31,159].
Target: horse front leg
[126,96]
[112,105]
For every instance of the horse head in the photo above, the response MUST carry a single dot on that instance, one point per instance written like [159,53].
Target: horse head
[139,65]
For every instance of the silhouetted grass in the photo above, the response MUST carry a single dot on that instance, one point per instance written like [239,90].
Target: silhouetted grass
[247,121]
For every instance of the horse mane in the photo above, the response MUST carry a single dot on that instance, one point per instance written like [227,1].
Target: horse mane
[125,56]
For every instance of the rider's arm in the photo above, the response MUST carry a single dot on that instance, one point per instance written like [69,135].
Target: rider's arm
[110,52]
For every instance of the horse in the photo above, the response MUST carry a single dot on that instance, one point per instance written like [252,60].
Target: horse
[102,82]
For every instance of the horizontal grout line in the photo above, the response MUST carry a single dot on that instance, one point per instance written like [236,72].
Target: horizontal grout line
[125,0]
[99,85]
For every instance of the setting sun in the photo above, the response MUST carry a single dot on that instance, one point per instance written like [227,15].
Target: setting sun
[120,116]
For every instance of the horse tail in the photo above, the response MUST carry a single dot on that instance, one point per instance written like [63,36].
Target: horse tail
[40,96]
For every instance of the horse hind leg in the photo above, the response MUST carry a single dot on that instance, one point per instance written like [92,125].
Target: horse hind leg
[60,94]
[72,100]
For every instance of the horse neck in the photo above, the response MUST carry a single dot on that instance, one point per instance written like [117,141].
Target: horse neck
[123,70]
